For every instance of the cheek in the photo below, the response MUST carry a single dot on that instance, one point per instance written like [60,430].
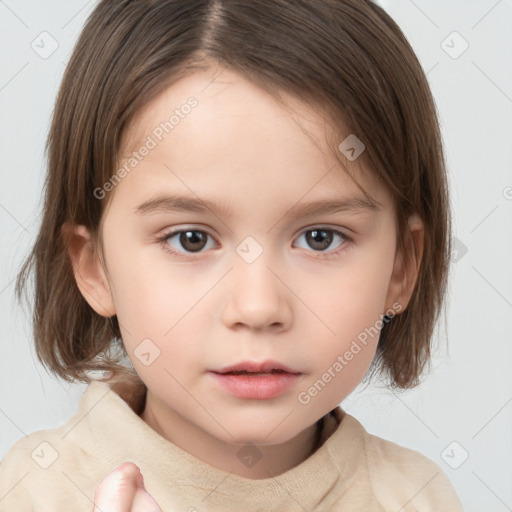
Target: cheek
[140,291]
[355,294]
[137,275]
[158,302]
[351,306]
[340,360]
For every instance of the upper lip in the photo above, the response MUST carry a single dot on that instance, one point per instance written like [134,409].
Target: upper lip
[254,366]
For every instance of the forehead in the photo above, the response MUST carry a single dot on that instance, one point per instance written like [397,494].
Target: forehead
[219,129]
[220,98]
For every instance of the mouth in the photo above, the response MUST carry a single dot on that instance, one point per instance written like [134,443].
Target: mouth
[254,374]
[257,381]
[254,368]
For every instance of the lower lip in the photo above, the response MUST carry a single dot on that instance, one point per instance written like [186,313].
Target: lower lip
[258,387]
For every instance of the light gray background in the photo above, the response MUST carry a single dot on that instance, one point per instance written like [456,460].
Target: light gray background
[467,396]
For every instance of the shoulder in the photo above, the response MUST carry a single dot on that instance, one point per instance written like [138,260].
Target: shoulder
[12,475]
[21,468]
[404,479]
[43,470]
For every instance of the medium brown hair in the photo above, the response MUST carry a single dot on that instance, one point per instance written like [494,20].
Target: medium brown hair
[347,57]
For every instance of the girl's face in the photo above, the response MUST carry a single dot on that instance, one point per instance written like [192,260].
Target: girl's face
[234,236]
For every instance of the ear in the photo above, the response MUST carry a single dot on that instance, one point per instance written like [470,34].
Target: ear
[407,266]
[89,273]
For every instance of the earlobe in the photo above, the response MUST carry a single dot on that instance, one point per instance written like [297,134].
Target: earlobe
[407,265]
[87,268]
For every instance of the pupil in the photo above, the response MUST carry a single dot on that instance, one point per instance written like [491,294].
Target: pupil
[190,239]
[319,239]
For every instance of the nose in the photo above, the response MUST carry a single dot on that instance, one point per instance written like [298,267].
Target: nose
[257,299]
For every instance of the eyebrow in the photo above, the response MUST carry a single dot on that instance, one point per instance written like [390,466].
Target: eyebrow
[174,203]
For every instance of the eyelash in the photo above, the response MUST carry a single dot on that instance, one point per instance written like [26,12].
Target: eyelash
[164,239]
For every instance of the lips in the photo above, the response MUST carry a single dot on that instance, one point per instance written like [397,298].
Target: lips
[256,381]
[243,372]
[254,368]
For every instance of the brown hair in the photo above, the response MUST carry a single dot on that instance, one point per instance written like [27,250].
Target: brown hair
[346,56]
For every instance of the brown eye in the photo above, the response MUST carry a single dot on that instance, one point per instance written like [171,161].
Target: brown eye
[321,239]
[192,240]
[187,241]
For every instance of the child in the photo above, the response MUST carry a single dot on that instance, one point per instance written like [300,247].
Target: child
[296,143]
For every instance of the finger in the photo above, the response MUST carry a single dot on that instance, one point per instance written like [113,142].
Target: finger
[117,491]
[144,502]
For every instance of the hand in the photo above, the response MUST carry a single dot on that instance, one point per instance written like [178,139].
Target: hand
[123,491]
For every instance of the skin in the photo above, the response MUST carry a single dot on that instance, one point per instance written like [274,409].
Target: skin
[123,491]
[209,309]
